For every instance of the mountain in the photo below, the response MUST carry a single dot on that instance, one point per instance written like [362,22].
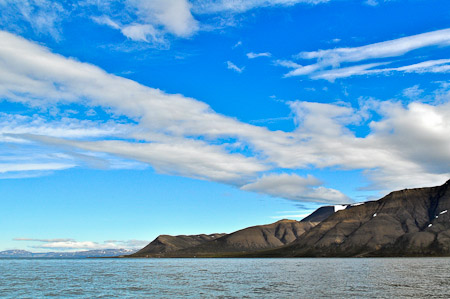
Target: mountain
[77,254]
[249,239]
[410,222]
[165,243]
[15,254]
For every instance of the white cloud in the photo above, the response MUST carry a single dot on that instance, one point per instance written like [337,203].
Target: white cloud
[333,58]
[232,66]
[142,33]
[174,15]
[150,21]
[252,55]
[188,158]
[153,22]
[105,20]
[407,147]
[239,6]
[135,31]
[163,119]
[294,187]
[331,75]
[64,127]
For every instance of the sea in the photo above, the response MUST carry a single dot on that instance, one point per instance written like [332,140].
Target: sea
[226,278]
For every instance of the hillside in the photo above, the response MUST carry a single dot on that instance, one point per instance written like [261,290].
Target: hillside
[410,222]
[165,243]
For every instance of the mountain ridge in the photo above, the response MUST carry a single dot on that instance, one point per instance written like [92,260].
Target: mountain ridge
[252,238]
[408,222]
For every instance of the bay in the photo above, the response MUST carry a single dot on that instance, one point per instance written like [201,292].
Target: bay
[226,278]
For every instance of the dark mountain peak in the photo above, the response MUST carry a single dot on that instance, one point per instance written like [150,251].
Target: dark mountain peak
[324,212]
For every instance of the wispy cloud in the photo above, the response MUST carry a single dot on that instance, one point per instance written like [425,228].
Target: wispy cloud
[238,44]
[431,66]
[371,2]
[252,55]
[43,240]
[43,16]
[287,63]
[232,66]
[329,62]
[239,6]
[15,167]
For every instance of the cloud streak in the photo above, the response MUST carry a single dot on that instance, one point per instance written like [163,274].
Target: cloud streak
[252,55]
[240,6]
[328,62]
[233,67]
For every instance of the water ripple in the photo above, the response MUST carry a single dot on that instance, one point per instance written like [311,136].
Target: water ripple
[225,278]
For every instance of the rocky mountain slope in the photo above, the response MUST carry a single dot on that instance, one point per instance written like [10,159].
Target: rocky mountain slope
[410,222]
[246,240]
[165,243]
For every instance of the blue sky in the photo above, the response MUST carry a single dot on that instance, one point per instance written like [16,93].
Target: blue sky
[123,120]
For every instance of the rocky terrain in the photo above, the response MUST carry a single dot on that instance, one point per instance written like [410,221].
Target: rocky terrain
[164,243]
[246,240]
[410,222]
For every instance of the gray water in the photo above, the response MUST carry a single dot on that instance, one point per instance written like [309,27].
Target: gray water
[226,278]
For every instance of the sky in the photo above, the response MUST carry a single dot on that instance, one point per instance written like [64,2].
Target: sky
[121,120]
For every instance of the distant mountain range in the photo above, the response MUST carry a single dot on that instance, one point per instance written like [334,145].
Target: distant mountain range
[410,222]
[77,254]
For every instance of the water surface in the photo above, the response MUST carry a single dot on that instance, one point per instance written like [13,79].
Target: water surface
[225,278]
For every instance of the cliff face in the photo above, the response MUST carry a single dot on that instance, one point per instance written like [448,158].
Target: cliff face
[407,222]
